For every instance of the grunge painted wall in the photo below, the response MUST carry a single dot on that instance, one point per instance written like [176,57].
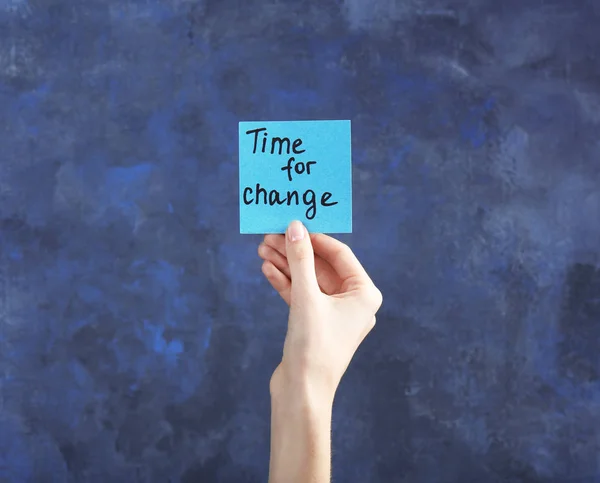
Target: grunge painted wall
[137,336]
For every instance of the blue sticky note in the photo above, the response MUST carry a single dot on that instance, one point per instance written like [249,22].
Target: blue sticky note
[295,170]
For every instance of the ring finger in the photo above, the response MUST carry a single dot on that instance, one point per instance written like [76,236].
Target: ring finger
[270,254]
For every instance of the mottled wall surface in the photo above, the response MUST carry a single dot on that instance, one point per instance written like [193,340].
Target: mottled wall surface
[137,336]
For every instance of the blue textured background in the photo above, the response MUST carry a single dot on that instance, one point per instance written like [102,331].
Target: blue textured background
[137,334]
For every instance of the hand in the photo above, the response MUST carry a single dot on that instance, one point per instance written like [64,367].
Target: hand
[332,302]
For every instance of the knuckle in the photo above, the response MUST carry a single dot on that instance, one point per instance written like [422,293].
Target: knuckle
[375,298]
[345,250]
[342,252]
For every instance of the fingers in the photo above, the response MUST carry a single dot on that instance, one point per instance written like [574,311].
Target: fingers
[278,280]
[348,268]
[269,253]
[273,249]
[326,277]
[337,254]
[336,263]
[340,257]
[301,259]
[277,242]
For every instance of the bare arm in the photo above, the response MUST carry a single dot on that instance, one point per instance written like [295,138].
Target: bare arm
[332,308]
[300,434]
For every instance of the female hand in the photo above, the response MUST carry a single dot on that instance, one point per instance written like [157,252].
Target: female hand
[332,302]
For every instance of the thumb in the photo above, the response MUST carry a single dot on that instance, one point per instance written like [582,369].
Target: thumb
[301,258]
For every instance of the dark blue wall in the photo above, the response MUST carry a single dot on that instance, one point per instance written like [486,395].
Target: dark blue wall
[137,335]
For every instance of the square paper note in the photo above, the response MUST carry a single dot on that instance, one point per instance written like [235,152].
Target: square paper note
[295,170]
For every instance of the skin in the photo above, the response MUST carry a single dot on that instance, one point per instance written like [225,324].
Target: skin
[332,303]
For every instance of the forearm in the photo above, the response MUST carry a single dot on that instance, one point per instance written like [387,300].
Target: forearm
[300,435]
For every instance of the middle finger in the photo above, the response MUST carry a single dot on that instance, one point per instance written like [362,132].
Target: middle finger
[269,253]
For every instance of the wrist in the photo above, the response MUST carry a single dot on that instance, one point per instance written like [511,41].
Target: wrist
[301,390]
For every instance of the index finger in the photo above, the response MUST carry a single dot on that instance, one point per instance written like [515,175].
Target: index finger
[340,256]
